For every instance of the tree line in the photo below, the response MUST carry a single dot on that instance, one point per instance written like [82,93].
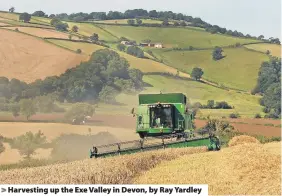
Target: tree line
[101,78]
[160,15]
[269,86]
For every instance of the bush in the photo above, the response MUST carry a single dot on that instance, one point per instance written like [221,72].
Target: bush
[257,116]
[78,51]
[234,115]
[135,51]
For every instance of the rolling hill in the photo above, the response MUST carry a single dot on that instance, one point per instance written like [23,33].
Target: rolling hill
[175,37]
[238,70]
[28,58]
[274,49]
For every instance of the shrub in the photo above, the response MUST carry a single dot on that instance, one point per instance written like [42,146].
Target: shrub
[78,51]
[257,116]
[234,115]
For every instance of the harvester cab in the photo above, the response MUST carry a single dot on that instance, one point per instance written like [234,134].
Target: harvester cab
[162,121]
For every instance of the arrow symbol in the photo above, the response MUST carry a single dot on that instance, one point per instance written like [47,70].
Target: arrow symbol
[3,190]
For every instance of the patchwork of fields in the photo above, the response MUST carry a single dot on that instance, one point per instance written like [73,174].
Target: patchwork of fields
[238,69]
[30,57]
[174,37]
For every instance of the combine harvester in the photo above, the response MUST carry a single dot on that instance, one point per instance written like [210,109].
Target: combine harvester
[162,121]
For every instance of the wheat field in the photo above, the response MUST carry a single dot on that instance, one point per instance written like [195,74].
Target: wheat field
[247,167]
[243,169]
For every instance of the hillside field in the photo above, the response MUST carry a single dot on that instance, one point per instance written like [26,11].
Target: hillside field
[89,29]
[245,104]
[274,49]
[174,37]
[28,58]
[124,21]
[145,65]
[239,68]
[39,32]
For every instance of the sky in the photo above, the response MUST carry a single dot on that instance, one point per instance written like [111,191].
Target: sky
[254,17]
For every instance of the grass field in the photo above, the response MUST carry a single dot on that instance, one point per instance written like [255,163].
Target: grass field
[124,21]
[28,58]
[88,29]
[174,37]
[239,69]
[15,17]
[246,105]
[43,32]
[11,16]
[86,48]
[274,49]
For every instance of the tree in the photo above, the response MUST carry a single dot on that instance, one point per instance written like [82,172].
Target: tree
[272,98]
[52,16]
[183,24]
[79,111]
[197,73]
[130,22]
[165,22]
[74,29]
[175,24]
[108,94]
[25,17]
[27,108]
[210,104]
[15,109]
[121,47]
[217,53]
[260,37]
[61,26]
[55,21]
[39,14]
[94,37]
[135,51]
[28,143]
[139,21]
[12,9]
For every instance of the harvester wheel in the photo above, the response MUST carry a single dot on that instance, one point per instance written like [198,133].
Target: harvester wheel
[142,135]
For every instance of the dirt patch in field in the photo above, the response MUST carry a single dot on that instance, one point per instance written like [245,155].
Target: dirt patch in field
[43,32]
[27,58]
[257,129]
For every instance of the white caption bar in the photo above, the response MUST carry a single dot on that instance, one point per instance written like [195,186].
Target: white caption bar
[102,190]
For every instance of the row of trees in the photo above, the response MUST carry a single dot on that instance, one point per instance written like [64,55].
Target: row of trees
[141,13]
[211,104]
[269,85]
[102,77]
[132,50]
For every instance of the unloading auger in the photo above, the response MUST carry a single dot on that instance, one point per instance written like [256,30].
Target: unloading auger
[162,121]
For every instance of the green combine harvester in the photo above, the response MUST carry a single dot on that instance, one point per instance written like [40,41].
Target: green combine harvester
[162,121]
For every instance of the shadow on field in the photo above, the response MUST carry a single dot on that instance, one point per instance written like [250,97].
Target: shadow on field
[75,147]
